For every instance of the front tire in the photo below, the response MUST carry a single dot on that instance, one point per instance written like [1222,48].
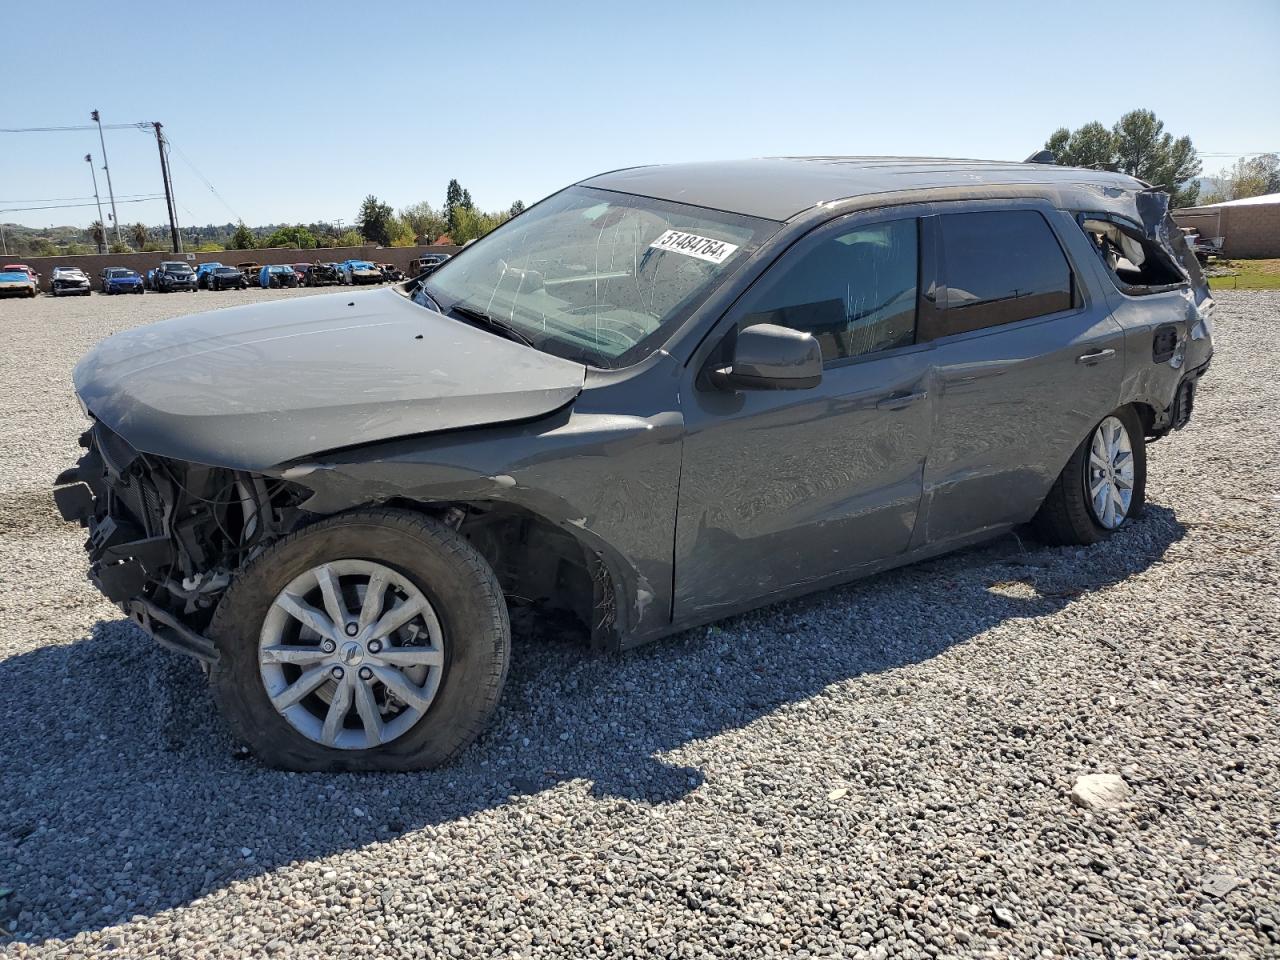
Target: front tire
[373,640]
[1102,487]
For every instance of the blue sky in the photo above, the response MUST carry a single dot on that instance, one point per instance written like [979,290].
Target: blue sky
[296,115]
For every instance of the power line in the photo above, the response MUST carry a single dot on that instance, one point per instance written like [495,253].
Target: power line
[185,159]
[84,126]
[73,206]
[63,199]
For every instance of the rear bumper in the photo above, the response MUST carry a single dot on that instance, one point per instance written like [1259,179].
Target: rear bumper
[1185,396]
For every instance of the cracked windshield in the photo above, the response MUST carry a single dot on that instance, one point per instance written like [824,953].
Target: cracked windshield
[593,275]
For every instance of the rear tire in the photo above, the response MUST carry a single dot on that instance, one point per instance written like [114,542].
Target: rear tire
[462,596]
[1070,514]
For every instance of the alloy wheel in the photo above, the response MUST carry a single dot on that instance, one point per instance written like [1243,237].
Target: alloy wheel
[1110,473]
[351,654]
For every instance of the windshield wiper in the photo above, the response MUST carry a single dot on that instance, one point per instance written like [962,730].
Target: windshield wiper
[501,327]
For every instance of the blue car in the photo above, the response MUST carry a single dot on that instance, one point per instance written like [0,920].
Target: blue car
[202,273]
[121,280]
[278,275]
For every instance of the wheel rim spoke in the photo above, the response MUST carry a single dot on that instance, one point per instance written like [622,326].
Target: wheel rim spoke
[374,595]
[412,656]
[291,654]
[399,684]
[331,590]
[397,617]
[304,685]
[367,708]
[337,713]
[308,615]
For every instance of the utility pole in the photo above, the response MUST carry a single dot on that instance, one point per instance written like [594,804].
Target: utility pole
[168,189]
[111,193]
[88,158]
[3,242]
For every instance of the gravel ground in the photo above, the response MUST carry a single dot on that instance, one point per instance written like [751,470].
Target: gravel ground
[881,770]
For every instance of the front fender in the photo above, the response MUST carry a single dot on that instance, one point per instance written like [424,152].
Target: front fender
[610,481]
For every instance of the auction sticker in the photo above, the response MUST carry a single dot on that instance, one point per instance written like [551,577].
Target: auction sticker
[692,245]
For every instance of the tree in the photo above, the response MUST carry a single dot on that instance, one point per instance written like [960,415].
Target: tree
[1090,146]
[241,239]
[517,208]
[402,234]
[1145,151]
[118,246]
[98,235]
[473,224]
[348,238]
[455,198]
[1248,177]
[1136,145]
[424,220]
[374,221]
[298,237]
[138,234]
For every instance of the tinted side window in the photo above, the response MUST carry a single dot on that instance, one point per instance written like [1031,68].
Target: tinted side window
[855,291]
[1000,268]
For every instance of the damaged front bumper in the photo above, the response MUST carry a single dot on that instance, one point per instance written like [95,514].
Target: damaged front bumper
[166,538]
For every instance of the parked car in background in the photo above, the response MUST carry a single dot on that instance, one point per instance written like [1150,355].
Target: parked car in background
[320,275]
[174,275]
[390,272]
[203,271]
[787,374]
[35,277]
[428,261]
[250,270]
[359,272]
[277,275]
[16,282]
[69,281]
[226,278]
[121,280]
[301,270]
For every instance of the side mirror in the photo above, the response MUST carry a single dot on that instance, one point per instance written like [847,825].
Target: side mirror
[769,357]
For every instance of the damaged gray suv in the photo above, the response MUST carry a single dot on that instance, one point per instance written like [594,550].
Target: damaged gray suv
[658,397]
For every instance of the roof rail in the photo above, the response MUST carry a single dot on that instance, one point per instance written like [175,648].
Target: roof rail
[1041,156]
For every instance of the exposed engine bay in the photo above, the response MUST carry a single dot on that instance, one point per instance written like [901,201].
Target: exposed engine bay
[166,536]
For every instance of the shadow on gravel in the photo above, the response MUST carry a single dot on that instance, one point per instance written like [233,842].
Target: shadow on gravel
[122,794]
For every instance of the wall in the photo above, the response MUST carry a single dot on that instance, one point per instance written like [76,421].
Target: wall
[1248,231]
[93,264]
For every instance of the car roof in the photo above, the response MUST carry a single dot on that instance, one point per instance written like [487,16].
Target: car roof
[779,188]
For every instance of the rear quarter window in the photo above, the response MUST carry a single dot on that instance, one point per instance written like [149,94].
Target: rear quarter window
[998,267]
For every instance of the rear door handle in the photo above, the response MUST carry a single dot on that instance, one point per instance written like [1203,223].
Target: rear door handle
[898,401]
[1095,356]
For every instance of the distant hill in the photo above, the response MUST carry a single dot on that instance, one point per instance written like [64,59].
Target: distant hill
[23,241]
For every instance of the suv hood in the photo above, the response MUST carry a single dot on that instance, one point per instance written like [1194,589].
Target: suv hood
[256,386]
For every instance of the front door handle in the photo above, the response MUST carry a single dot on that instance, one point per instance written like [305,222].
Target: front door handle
[1095,356]
[898,401]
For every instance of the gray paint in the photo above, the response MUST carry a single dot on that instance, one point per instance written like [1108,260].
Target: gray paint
[779,188]
[698,501]
[256,385]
